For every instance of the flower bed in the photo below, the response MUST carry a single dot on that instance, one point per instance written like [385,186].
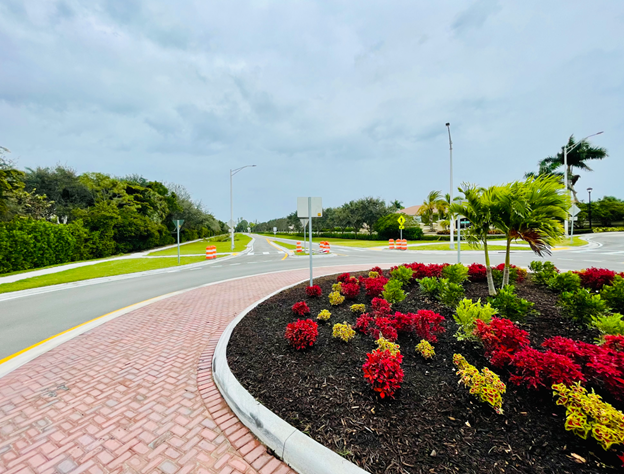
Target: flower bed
[430,423]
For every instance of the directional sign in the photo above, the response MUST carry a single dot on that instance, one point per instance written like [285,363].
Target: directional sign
[302,207]
[574,210]
[401,221]
[178,223]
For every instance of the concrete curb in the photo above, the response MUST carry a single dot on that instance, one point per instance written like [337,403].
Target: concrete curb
[299,451]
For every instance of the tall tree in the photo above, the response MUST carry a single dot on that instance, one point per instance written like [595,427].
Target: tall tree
[430,208]
[369,210]
[11,180]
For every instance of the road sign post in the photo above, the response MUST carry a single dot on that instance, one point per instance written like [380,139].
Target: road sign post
[401,221]
[574,211]
[304,224]
[274,230]
[178,223]
[309,207]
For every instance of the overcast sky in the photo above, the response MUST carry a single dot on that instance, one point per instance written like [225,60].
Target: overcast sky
[338,99]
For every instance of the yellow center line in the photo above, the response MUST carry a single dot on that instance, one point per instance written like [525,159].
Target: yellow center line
[274,245]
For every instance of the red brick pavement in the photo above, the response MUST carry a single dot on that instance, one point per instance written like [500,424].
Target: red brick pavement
[136,394]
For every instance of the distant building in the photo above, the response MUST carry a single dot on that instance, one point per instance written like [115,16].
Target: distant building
[411,211]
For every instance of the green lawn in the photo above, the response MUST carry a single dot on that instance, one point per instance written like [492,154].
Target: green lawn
[445,246]
[240,243]
[343,242]
[577,242]
[98,270]
[287,246]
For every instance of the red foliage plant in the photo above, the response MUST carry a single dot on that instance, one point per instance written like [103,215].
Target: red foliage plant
[427,324]
[421,270]
[302,333]
[615,343]
[403,323]
[343,277]
[536,369]
[313,291]
[380,307]
[376,269]
[501,339]
[374,286]
[383,371]
[301,308]
[520,273]
[477,272]
[383,327]
[363,322]
[595,278]
[350,290]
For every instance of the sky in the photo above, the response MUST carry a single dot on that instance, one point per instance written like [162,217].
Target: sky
[337,99]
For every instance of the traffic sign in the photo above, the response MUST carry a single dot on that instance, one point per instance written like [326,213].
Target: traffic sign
[178,222]
[302,207]
[304,221]
[574,210]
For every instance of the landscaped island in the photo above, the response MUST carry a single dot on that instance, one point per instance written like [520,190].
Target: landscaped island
[410,414]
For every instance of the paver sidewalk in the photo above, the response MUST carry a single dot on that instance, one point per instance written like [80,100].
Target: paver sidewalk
[136,394]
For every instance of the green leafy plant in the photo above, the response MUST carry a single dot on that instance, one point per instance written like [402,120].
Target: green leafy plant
[402,274]
[582,306]
[567,281]
[609,325]
[486,385]
[511,305]
[542,271]
[393,291]
[430,286]
[613,294]
[450,293]
[457,273]
[466,315]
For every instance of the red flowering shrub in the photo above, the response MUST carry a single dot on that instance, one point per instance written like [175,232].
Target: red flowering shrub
[615,343]
[427,324]
[363,322]
[302,333]
[374,286]
[422,271]
[343,277]
[376,269]
[595,278]
[383,327]
[501,339]
[516,274]
[350,290]
[477,272]
[301,308]
[535,369]
[383,371]
[403,322]
[380,307]
[314,291]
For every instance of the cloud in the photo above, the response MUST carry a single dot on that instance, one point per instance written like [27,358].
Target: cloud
[475,16]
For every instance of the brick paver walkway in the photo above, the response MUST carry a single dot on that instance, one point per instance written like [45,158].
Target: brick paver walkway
[136,394]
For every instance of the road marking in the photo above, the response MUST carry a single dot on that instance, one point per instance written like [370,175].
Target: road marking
[234,264]
[265,253]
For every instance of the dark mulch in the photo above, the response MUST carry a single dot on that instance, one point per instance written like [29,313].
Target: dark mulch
[433,425]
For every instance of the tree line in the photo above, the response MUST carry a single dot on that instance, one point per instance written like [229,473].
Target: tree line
[55,215]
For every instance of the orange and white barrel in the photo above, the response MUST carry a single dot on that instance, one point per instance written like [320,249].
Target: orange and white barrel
[299,249]
[327,247]
[404,244]
[211,252]
[391,244]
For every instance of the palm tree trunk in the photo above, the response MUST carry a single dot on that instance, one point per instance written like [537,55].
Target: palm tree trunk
[507,261]
[488,270]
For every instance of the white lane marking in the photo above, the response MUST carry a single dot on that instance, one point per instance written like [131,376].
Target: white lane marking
[198,268]
[173,271]
[266,253]
[234,264]
[217,266]
[251,253]
[249,263]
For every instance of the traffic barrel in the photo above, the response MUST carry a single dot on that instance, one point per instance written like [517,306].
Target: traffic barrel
[391,244]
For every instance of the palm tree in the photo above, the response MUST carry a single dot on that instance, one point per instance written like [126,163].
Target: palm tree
[576,158]
[478,207]
[430,208]
[531,211]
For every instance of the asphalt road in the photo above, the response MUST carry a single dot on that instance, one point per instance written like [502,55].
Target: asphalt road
[26,320]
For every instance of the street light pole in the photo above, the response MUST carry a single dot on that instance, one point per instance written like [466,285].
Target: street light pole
[448,126]
[232,173]
[589,190]
[566,149]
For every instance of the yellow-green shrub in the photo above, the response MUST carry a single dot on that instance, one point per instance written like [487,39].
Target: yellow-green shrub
[586,412]
[384,345]
[324,315]
[425,349]
[358,308]
[337,287]
[335,298]
[485,385]
[344,331]
[373,274]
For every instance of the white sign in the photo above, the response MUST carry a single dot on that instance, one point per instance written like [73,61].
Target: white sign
[302,207]
[574,210]
[274,230]
[304,222]
[231,223]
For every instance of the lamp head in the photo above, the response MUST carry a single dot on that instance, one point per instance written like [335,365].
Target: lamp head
[448,124]
[590,189]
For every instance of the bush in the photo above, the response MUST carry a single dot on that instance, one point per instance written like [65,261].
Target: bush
[302,333]
[467,314]
[350,290]
[403,323]
[364,322]
[337,287]
[313,291]
[377,270]
[358,308]
[567,281]
[501,339]
[586,413]
[609,324]
[450,293]
[613,294]
[430,286]
[324,315]
[511,305]
[336,298]
[477,272]
[383,371]
[343,278]
[516,274]
[581,305]
[457,273]
[595,278]
[425,349]
[486,385]
[614,343]
[393,292]
[343,331]
[542,272]
[374,286]
[373,274]
[402,274]
[423,271]
[535,369]
[380,307]
[383,327]
[427,324]
[384,345]
[387,227]
[301,308]
[608,229]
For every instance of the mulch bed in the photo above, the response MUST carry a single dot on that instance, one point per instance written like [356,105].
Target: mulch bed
[433,425]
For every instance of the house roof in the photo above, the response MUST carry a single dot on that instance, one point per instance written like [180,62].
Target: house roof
[411,211]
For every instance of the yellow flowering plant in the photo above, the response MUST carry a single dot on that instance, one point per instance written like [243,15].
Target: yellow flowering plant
[324,315]
[343,331]
[384,345]
[358,308]
[335,298]
[425,349]
[485,385]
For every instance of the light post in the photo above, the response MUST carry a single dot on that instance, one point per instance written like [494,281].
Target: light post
[232,173]
[448,126]
[567,149]
[589,190]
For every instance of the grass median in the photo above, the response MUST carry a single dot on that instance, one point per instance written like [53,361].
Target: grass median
[98,270]
[464,246]
[200,247]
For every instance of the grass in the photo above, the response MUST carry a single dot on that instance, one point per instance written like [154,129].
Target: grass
[445,246]
[240,242]
[98,270]
[333,240]
[565,242]
[286,246]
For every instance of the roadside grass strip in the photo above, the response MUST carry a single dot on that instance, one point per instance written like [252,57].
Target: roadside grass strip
[464,246]
[99,270]
[333,240]
[197,248]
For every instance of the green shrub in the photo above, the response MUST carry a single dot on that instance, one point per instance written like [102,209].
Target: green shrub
[466,315]
[457,273]
[430,286]
[609,324]
[393,292]
[450,293]
[566,281]
[511,305]
[402,274]
[387,227]
[582,306]
[613,294]
[542,271]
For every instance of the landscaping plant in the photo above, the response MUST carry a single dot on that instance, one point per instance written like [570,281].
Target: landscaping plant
[476,272]
[450,293]
[302,333]
[374,286]
[430,286]
[567,281]
[542,272]
[301,308]
[425,349]
[609,324]
[581,305]
[393,292]
[510,305]
[403,323]
[384,345]
[364,322]
[402,274]
[427,324]
[535,369]
[380,307]
[613,294]
[467,314]
[314,291]
[350,290]
[343,331]
[501,339]
[595,278]
[383,371]
[324,315]
[358,308]
[486,385]
[372,274]
[343,277]
[614,343]
[383,327]
[336,298]
[457,273]
[337,287]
